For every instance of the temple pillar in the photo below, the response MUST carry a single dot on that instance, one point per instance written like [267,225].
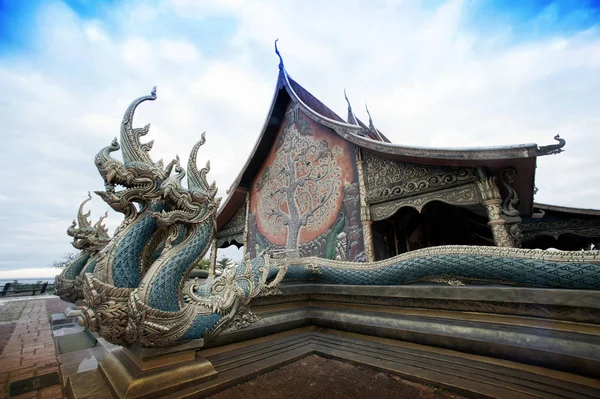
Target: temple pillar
[490,195]
[213,257]
[365,216]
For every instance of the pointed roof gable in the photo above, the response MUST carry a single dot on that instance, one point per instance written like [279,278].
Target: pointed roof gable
[521,157]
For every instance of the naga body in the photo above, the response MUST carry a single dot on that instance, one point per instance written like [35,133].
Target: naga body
[140,291]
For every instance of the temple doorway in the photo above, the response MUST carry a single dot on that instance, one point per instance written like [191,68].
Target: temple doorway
[437,224]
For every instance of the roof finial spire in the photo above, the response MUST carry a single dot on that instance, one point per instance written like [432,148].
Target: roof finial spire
[351,118]
[370,119]
[371,126]
[281,67]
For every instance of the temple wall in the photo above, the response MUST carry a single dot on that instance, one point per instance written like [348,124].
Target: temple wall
[305,198]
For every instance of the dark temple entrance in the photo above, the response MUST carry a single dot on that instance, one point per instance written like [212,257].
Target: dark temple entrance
[437,224]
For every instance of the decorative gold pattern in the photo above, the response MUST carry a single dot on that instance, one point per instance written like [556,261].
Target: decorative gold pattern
[387,180]
[555,228]
[242,319]
[462,195]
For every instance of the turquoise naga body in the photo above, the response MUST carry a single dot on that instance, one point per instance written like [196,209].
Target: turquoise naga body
[484,268]
[130,245]
[542,269]
[173,268]
[74,268]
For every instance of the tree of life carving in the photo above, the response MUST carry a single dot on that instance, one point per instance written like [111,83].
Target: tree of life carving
[300,189]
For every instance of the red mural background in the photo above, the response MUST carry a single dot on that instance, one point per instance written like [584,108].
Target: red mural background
[298,192]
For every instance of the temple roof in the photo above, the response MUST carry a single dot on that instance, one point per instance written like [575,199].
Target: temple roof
[567,209]
[521,157]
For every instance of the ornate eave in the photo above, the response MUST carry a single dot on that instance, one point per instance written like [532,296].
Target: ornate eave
[232,232]
[554,221]
[567,209]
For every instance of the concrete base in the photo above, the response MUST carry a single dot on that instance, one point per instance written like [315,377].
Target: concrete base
[126,375]
[223,367]
[60,318]
[72,311]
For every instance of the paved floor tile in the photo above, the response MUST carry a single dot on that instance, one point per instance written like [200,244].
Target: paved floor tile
[28,347]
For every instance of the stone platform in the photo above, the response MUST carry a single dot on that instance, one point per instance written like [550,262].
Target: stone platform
[451,373]
[476,342]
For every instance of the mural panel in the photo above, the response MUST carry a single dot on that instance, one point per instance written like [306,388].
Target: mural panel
[305,197]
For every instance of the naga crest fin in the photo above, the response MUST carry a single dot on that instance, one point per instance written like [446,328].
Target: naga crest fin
[197,178]
[83,219]
[179,170]
[100,228]
[133,150]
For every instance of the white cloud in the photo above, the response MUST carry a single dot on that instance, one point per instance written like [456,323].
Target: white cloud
[178,51]
[95,33]
[427,79]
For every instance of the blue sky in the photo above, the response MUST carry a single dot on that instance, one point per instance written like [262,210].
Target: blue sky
[435,73]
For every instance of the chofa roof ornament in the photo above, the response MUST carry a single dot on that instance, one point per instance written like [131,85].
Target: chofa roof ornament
[351,117]
[372,127]
[281,67]
[552,148]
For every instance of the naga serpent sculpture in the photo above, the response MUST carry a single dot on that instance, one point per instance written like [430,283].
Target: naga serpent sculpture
[89,240]
[140,291]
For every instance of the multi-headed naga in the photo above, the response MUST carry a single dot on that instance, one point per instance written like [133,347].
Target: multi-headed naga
[89,240]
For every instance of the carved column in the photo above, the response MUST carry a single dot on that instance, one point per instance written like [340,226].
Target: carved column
[246,223]
[213,257]
[364,208]
[492,200]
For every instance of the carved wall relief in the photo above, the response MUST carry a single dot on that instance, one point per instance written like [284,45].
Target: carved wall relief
[387,180]
[510,213]
[305,198]
[462,195]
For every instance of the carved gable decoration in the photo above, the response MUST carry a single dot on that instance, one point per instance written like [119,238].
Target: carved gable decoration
[233,230]
[387,180]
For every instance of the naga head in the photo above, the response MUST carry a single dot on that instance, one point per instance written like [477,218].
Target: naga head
[191,205]
[85,236]
[139,176]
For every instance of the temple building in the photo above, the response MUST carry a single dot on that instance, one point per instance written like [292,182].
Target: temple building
[318,185]
[432,264]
